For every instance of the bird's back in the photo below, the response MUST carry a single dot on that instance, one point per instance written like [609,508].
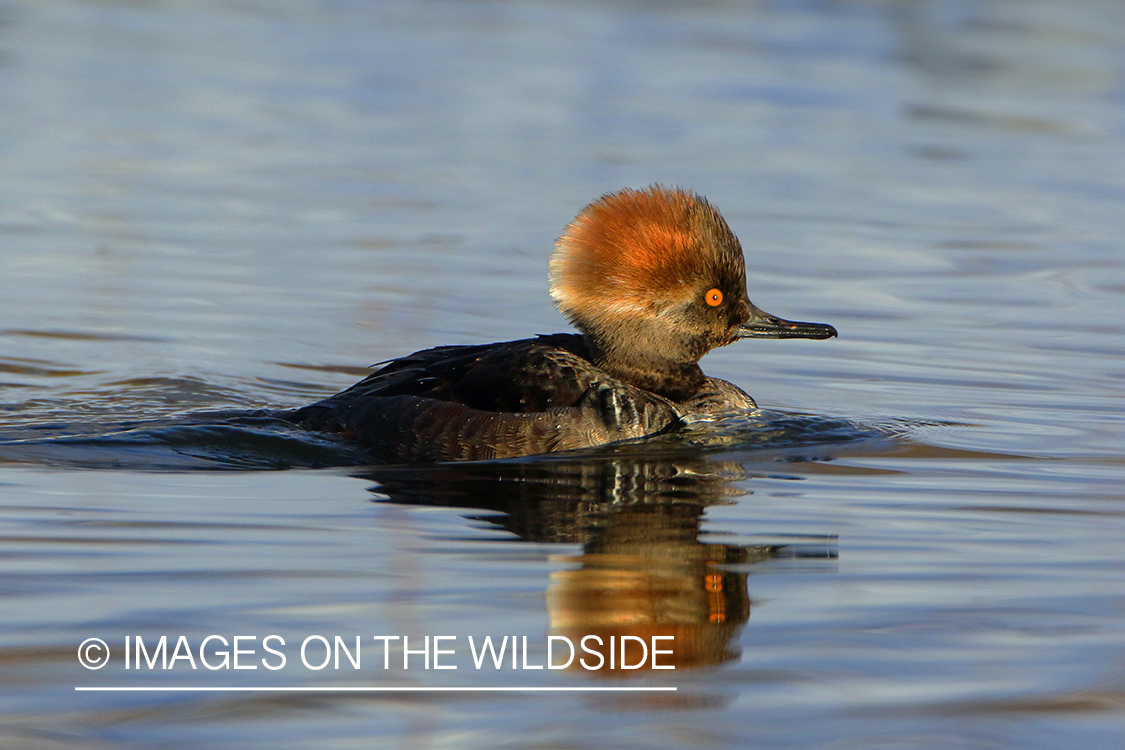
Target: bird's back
[490,401]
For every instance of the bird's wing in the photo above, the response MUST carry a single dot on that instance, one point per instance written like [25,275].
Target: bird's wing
[490,401]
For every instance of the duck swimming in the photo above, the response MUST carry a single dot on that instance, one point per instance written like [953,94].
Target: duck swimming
[653,279]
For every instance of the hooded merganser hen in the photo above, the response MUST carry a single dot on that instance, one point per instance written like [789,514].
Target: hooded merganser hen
[653,279]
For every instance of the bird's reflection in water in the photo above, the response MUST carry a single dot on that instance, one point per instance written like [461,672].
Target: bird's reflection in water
[643,570]
[646,582]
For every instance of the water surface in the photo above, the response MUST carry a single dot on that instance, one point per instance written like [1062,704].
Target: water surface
[211,209]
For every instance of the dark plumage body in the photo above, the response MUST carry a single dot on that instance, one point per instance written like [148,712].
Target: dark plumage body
[516,398]
[653,279]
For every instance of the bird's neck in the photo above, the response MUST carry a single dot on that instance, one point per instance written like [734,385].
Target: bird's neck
[677,381]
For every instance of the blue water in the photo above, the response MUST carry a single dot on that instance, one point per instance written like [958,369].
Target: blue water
[212,211]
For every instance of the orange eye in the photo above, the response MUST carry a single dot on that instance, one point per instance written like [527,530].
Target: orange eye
[714,297]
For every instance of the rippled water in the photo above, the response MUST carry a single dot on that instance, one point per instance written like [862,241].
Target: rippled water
[212,209]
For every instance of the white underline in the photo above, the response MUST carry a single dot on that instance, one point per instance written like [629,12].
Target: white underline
[367,689]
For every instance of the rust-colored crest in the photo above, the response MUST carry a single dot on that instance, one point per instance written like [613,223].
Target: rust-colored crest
[633,250]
